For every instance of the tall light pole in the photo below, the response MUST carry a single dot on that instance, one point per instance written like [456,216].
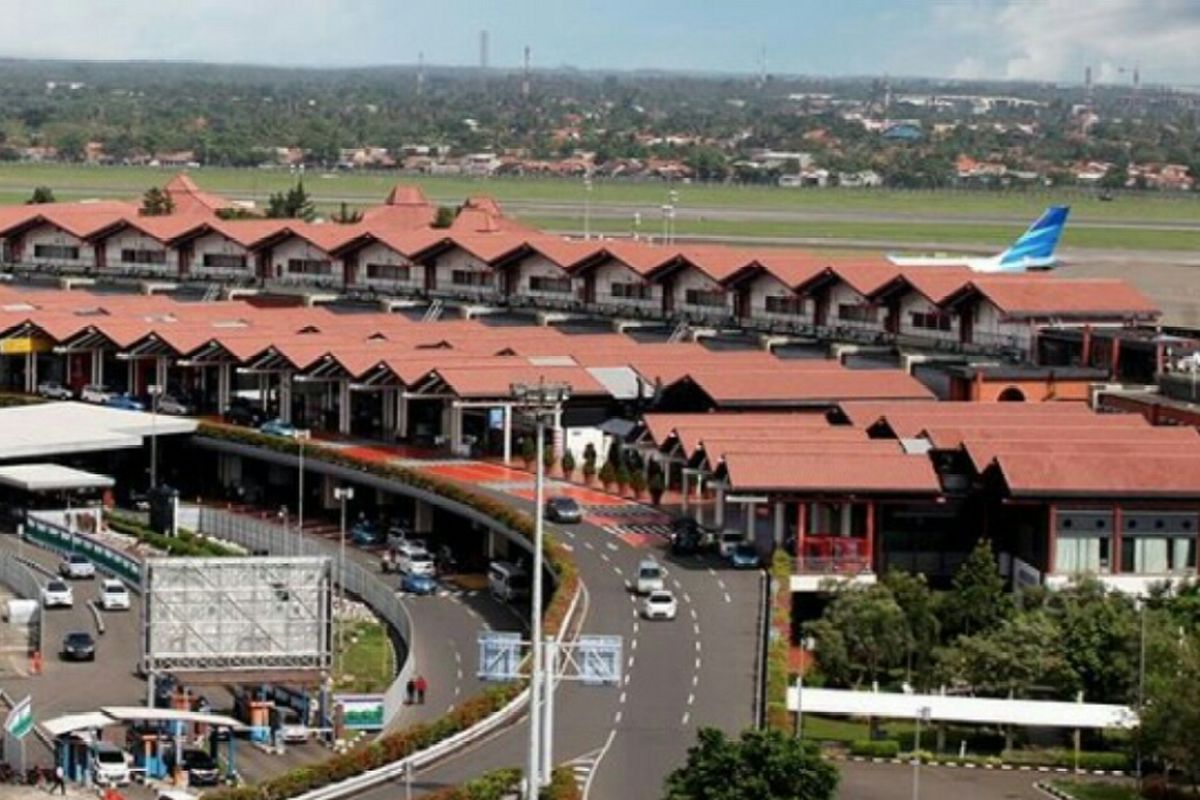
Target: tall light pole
[923,715]
[301,436]
[540,401]
[673,196]
[342,494]
[587,208]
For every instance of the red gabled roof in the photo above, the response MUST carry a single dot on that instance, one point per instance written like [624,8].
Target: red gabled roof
[483,215]
[1045,474]
[406,208]
[191,199]
[832,472]
[1043,296]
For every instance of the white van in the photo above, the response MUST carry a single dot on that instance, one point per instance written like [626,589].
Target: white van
[649,577]
[507,581]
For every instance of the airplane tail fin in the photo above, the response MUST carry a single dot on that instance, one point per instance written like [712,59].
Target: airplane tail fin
[1035,248]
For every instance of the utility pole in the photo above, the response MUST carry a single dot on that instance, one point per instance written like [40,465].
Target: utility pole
[155,392]
[541,401]
[342,494]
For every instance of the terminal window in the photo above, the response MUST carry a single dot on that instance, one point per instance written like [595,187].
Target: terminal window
[59,251]
[467,277]
[141,256]
[388,272]
[310,266]
[930,321]
[541,283]
[630,291]
[857,312]
[224,261]
[782,304]
[704,297]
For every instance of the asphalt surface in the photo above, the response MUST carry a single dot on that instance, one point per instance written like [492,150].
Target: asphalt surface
[866,781]
[697,670]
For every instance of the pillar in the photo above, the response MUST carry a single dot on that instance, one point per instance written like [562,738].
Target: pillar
[285,396]
[344,407]
[1115,357]
[160,373]
[1086,354]
[456,427]
[388,407]
[131,376]
[263,389]
[801,530]
[751,517]
[1114,560]
[422,517]
[507,433]
[31,376]
[683,489]
[402,414]
[871,511]
[778,533]
[846,520]
[558,439]
[719,508]
[1051,538]
[98,367]
[224,386]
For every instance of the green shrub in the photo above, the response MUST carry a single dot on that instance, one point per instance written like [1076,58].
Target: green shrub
[562,786]
[882,748]
[1064,757]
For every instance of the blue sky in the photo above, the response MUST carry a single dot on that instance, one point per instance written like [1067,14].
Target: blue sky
[1027,39]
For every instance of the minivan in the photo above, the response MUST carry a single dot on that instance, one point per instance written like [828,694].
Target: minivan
[507,581]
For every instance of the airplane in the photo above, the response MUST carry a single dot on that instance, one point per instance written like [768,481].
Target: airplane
[1034,250]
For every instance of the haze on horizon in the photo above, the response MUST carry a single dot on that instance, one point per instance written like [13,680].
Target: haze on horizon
[1043,40]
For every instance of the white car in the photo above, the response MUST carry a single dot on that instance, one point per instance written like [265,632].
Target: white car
[113,596]
[110,765]
[649,577]
[728,541]
[95,393]
[413,559]
[168,404]
[76,566]
[291,729]
[55,391]
[660,605]
[57,594]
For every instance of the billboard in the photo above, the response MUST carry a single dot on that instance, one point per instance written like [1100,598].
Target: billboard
[361,712]
[236,614]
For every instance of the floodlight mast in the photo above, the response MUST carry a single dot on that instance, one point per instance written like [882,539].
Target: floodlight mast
[541,401]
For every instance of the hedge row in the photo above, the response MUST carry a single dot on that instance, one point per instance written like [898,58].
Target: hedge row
[778,717]
[9,399]
[394,746]
[879,748]
[503,783]
[1088,760]
[185,544]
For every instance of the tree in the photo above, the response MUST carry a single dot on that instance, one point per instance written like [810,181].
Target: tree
[292,204]
[608,475]
[862,637]
[42,194]
[1099,632]
[346,215]
[528,451]
[568,463]
[589,462]
[920,608]
[977,600]
[761,765]
[1171,715]
[1021,653]
[622,477]
[445,217]
[157,203]
[637,482]
[657,486]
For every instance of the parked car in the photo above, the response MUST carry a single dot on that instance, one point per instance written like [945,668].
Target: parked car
[507,582]
[125,403]
[291,729]
[113,595]
[563,510]
[170,404]
[55,391]
[660,605]
[745,556]
[277,427]
[728,541]
[365,533]
[110,765]
[414,583]
[201,768]
[649,577]
[76,565]
[688,536]
[78,646]
[57,594]
[95,393]
[242,413]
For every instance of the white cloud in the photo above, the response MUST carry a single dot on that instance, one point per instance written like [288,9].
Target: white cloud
[1054,39]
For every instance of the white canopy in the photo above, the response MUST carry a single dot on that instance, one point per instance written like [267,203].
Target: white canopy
[51,477]
[57,428]
[114,715]
[983,710]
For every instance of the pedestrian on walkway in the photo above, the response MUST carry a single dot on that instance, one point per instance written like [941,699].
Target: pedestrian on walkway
[422,686]
[410,690]
[60,782]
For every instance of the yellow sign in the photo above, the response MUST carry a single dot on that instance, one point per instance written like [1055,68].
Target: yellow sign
[23,345]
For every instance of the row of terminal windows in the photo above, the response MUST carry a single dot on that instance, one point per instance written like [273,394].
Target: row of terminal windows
[224,261]
[389,272]
[629,291]
[542,283]
[467,277]
[782,304]
[64,252]
[930,320]
[141,256]
[310,266]
[857,312]
[712,298]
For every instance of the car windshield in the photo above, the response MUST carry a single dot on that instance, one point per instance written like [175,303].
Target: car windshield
[565,504]
[198,759]
[648,572]
[746,550]
[56,586]
[111,589]
[77,559]
[106,756]
[78,639]
[661,597]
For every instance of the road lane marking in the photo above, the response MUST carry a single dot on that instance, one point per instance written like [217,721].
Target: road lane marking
[630,667]
[611,546]
[635,628]
[693,613]
[604,557]
[567,547]
[696,678]
[633,644]
[691,699]
[687,598]
[617,717]
[696,628]
[712,572]
[589,545]
[687,715]
[728,599]
[622,700]
[617,570]
[697,645]
[675,582]
[721,583]
[697,663]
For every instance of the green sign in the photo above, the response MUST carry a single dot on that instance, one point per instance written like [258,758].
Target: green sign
[361,712]
[19,722]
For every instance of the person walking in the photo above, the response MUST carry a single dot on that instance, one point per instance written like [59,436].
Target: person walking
[60,782]
[422,687]
[410,690]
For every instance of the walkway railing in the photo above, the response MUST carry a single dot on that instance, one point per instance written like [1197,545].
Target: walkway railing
[24,582]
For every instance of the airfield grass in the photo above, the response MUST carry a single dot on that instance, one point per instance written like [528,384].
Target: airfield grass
[916,232]
[71,181]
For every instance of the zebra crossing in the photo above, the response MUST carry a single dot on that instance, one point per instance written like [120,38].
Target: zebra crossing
[634,524]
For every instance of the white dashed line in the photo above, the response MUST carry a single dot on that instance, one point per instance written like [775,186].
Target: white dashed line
[693,613]
[687,598]
[604,557]
[630,667]
[697,663]
[687,715]
[589,545]
[458,656]
[568,534]
[460,674]
[627,677]
[617,717]
[696,678]
[691,699]
[728,599]
[696,628]
[617,570]
[633,644]
[622,700]
[697,646]
[675,582]
[611,546]
[635,628]
[567,547]
[712,572]
[450,708]
[721,583]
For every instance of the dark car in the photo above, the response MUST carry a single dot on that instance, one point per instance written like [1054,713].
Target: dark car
[745,556]
[563,510]
[245,414]
[78,646]
[201,768]
[689,537]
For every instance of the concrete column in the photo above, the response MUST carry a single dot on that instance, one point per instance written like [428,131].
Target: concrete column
[224,386]
[456,428]
[683,489]
[160,373]
[264,388]
[845,520]
[98,367]
[285,396]
[750,507]
[131,376]
[779,524]
[507,433]
[719,508]
[423,517]
[402,415]
[491,544]
[388,407]
[344,407]
[558,439]
[31,373]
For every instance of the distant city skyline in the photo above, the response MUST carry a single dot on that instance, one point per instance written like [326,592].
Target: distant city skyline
[1043,40]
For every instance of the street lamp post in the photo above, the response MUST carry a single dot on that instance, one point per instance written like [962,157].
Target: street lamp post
[342,494]
[155,392]
[301,436]
[923,715]
[540,401]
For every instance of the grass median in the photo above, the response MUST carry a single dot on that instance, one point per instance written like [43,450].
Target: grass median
[366,661]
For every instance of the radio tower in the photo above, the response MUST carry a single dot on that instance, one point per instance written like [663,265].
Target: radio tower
[483,50]
[525,78]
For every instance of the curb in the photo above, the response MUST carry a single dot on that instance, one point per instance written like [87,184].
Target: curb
[95,609]
[1002,767]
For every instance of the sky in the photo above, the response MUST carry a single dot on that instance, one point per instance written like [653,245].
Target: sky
[1045,40]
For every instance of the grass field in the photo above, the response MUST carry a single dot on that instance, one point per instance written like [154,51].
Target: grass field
[1097,790]
[968,234]
[78,180]
[367,663]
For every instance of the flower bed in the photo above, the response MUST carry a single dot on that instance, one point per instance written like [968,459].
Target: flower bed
[397,745]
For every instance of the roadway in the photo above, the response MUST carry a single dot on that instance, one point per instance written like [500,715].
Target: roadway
[695,671]
[869,781]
